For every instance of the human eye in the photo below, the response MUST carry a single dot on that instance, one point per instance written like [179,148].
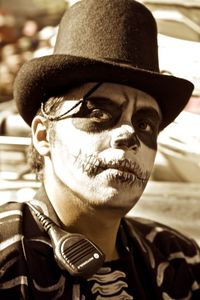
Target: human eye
[145,126]
[146,121]
[100,115]
[96,115]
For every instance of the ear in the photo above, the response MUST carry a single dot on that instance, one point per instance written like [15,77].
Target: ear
[40,136]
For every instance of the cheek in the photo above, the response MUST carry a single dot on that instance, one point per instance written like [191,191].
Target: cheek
[146,156]
[71,142]
[64,146]
[149,140]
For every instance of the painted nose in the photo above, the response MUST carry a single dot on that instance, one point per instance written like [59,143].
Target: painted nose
[125,138]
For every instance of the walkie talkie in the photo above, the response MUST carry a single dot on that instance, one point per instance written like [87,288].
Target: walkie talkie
[72,251]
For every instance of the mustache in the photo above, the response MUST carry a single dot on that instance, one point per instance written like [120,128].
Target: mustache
[94,165]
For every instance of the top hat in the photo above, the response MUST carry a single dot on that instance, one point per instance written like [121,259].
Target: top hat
[102,41]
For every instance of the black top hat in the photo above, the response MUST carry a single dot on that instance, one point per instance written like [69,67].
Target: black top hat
[102,41]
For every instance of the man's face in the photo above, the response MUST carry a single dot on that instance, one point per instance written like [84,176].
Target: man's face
[105,149]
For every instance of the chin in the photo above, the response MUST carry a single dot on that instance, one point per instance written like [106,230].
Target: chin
[112,198]
[114,209]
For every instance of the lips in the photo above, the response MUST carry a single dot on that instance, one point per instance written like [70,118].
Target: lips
[121,176]
[126,168]
[120,168]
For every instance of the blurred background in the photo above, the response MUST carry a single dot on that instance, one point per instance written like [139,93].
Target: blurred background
[28,29]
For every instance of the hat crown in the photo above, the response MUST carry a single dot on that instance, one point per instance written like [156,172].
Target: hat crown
[102,41]
[116,30]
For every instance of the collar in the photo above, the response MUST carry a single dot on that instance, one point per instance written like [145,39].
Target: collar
[42,201]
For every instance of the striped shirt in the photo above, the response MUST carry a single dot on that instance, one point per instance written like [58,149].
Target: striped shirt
[159,262]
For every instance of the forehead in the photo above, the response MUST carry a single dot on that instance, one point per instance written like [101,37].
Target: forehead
[117,93]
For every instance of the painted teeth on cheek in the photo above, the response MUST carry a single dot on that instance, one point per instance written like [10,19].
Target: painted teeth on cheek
[89,164]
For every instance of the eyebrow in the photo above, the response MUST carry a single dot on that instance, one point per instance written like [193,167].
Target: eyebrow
[152,112]
[127,99]
[99,99]
[112,102]
[148,110]
[102,98]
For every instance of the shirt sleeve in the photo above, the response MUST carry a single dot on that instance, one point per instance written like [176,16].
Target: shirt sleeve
[173,258]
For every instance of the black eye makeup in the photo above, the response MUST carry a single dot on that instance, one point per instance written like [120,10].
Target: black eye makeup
[96,115]
[146,122]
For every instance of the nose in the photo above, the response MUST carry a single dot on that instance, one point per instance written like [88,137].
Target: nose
[125,138]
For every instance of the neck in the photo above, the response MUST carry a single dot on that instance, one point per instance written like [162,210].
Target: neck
[98,225]
[100,232]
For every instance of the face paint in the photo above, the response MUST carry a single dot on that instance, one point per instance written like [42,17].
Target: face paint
[146,123]
[96,115]
[127,172]
[84,155]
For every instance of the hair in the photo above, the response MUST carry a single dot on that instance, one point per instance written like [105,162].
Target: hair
[35,160]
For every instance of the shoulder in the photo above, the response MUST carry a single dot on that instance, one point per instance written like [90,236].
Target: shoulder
[11,214]
[11,235]
[164,238]
[12,263]
[11,220]
[173,258]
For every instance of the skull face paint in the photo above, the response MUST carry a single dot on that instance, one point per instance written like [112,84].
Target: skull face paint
[105,150]
[98,114]
[129,172]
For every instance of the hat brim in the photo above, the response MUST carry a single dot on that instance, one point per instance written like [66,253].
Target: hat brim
[47,76]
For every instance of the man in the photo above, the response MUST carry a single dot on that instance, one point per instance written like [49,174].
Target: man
[96,107]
